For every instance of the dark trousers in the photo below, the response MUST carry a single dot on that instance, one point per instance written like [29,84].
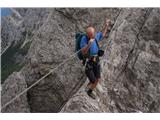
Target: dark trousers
[92,70]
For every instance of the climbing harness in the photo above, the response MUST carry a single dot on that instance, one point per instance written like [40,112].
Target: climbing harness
[72,56]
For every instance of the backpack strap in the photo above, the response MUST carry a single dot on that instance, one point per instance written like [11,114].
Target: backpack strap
[97,43]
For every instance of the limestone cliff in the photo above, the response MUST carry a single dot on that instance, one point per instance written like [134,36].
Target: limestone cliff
[130,66]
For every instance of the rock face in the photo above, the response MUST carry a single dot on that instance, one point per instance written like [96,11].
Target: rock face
[132,72]
[54,43]
[130,66]
[18,28]
[13,86]
[21,25]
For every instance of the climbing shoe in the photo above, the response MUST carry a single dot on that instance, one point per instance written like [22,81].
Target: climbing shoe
[90,94]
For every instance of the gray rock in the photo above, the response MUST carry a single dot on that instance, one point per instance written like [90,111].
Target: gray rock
[21,25]
[130,72]
[14,85]
[130,67]
[54,43]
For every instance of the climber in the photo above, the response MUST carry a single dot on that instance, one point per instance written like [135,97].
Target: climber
[91,44]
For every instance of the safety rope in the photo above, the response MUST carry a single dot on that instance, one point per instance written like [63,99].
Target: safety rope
[72,56]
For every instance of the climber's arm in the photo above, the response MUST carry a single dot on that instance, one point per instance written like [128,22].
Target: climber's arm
[105,28]
[85,47]
[101,35]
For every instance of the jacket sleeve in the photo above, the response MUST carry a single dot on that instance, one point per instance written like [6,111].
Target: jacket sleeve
[83,42]
[99,36]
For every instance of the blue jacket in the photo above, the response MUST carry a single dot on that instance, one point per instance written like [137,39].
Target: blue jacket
[94,47]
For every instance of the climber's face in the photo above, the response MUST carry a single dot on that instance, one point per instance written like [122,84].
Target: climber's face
[91,32]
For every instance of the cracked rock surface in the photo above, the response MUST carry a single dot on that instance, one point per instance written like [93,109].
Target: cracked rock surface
[130,67]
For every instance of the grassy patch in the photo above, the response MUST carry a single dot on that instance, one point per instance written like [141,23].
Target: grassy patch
[9,70]
[8,65]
